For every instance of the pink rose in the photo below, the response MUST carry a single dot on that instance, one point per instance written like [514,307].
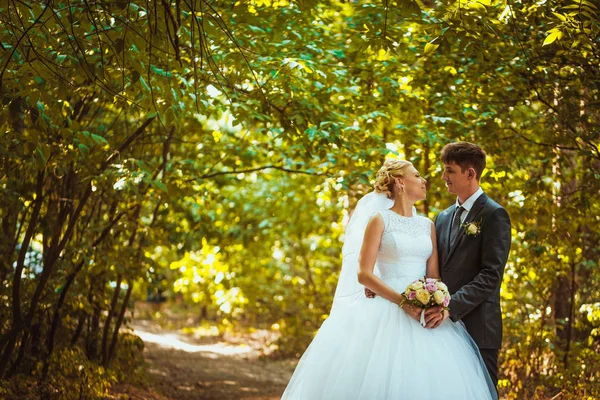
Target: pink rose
[430,280]
[446,301]
[431,287]
[412,295]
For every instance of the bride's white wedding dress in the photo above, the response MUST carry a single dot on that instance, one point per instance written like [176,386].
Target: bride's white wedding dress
[372,349]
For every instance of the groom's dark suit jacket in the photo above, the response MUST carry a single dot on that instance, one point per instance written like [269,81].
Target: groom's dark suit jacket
[473,269]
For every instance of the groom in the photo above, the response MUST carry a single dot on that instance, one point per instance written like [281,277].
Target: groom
[473,242]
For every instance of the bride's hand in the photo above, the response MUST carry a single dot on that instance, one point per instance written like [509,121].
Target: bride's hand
[414,312]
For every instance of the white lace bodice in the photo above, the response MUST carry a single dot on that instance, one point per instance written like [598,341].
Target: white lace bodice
[405,246]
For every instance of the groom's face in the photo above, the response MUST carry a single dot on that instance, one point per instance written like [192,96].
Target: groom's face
[456,180]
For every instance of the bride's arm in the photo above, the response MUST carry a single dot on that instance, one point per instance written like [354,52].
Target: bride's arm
[433,268]
[366,264]
[367,258]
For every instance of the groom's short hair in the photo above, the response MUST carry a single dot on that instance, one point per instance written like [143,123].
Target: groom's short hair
[465,154]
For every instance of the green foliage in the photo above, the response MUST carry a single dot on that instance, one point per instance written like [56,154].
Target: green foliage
[74,375]
[211,153]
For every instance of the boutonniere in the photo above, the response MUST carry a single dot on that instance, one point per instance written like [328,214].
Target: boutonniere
[472,228]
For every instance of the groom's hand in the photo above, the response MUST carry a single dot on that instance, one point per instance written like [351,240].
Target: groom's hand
[434,316]
[369,293]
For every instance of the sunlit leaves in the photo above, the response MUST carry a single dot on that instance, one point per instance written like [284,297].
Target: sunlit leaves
[553,35]
[430,48]
[272,126]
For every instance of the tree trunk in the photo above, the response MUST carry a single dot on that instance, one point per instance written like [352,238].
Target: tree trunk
[109,317]
[56,318]
[58,245]
[93,328]
[68,283]
[565,288]
[79,329]
[17,319]
[115,337]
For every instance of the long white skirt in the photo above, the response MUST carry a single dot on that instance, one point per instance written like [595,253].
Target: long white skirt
[373,350]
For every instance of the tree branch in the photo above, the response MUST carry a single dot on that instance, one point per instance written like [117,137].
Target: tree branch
[264,167]
[21,39]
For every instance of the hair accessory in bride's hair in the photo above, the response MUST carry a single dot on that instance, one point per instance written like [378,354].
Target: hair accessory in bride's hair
[387,174]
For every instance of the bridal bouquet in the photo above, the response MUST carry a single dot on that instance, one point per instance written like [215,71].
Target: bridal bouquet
[427,292]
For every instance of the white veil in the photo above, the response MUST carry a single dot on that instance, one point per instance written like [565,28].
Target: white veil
[348,288]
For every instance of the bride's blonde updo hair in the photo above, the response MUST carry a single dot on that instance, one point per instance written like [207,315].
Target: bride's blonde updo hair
[391,169]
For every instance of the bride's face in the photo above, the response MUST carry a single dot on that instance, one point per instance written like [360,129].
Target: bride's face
[415,186]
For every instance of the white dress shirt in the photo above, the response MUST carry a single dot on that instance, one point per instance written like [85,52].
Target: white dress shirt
[468,204]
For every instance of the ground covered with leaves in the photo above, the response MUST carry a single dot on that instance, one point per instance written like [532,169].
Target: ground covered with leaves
[186,367]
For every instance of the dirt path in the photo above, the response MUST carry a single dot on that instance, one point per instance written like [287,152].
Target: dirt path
[183,368]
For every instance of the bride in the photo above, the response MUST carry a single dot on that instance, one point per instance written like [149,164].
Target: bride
[376,348]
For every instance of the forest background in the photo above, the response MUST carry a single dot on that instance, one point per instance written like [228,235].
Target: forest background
[208,153]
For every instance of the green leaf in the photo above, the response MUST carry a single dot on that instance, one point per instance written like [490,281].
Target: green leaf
[476,6]
[83,149]
[161,186]
[144,84]
[256,29]
[551,38]
[588,4]
[430,48]
[560,16]
[99,139]
[40,153]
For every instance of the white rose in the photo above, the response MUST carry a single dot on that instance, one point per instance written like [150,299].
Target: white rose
[423,296]
[442,286]
[439,296]
[472,229]
[416,285]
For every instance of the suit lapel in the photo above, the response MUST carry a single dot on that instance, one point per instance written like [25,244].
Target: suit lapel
[473,213]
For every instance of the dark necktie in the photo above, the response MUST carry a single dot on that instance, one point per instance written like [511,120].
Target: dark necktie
[456,223]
